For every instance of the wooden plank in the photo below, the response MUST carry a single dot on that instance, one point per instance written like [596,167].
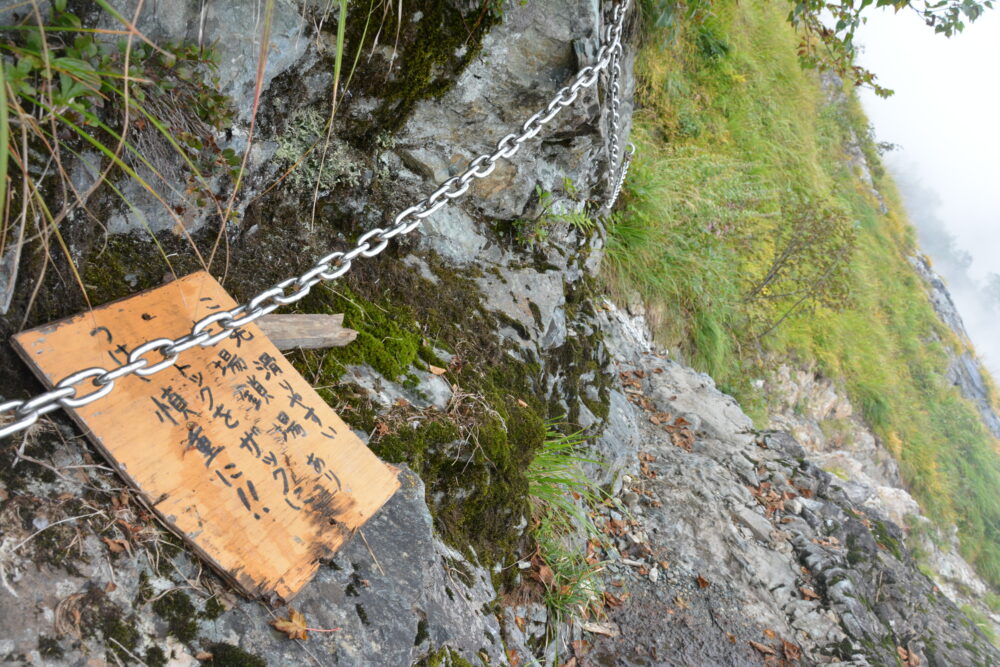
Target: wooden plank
[230,446]
[306,331]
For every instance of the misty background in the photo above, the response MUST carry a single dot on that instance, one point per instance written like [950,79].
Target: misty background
[945,118]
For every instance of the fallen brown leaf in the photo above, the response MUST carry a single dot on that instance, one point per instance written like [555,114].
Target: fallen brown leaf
[116,546]
[546,576]
[809,593]
[763,648]
[769,633]
[612,600]
[703,582]
[792,652]
[437,370]
[294,626]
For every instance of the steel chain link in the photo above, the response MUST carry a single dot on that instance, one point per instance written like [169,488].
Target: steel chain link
[155,355]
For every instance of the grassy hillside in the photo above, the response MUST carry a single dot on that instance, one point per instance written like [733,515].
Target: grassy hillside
[743,157]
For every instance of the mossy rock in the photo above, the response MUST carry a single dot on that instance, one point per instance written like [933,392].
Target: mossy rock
[180,614]
[227,655]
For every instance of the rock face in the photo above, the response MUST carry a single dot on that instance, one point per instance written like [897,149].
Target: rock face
[720,545]
[738,537]
[965,371]
[820,417]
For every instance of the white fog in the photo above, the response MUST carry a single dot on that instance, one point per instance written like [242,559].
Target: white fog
[944,117]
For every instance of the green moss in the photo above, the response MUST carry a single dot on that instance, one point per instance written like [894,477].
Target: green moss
[476,490]
[213,609]
[156,657]
[881,534]
[128,263]
[581,375]
[114,629]
[422,634]
[416,446]
[145,591]
[383,341]
[444,657]
[49,647]
[362,614]
[176,609]
[227,655]
[431,52]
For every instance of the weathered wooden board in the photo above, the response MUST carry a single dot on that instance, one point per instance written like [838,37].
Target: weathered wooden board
[230,446]
[306,331]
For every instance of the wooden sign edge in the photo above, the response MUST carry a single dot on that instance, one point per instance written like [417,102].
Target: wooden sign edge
[218,568]
[255,592]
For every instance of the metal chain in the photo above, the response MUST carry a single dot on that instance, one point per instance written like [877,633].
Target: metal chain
[614,72]
[155,355]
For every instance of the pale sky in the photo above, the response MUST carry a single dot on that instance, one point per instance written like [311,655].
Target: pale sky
[946,116]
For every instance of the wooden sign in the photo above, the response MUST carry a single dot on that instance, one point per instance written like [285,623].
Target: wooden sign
[230,446]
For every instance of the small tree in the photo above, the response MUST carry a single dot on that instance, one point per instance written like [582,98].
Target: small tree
[811,265]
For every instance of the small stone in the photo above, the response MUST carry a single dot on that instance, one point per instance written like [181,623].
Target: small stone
[654,574]
[758,525]
[631,499]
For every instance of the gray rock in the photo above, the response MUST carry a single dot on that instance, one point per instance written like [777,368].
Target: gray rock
[430,389]
[758,525]
[965,371]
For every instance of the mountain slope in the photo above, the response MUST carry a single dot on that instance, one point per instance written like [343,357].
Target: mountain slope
[761,229]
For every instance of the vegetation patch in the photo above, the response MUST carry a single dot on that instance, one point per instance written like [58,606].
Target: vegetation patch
[562,496]
[719,231]
[227,655]
[179,613]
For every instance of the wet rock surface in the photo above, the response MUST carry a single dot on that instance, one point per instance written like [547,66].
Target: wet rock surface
[739,549]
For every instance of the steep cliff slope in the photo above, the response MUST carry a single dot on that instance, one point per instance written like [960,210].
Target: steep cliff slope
[709,542]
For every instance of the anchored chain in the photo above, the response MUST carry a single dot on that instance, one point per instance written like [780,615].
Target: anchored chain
[90,384]
[614,71]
